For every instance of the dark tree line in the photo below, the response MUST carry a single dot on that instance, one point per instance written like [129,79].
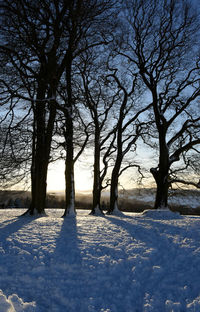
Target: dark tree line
[111,72]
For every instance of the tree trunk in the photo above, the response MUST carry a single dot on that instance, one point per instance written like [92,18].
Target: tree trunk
[161,174]
[69,137]
[113,195]
[69,188]
[38,181]
[114,187]
[39,161]
[42,137]
[161,201]
[69,170]
[39,187]
[115,172]
[96,204]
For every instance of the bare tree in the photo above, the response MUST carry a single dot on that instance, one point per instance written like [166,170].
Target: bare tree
[42,42]
[161,42]
[32,33]
[129,128]
[99,99]
[89,25]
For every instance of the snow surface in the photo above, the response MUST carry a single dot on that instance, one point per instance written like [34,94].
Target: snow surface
[131,263]
[192,201]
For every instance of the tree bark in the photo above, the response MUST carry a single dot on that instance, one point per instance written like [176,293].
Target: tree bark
[115,172]
[69,161]
[69,169]
[113,193]
[114,186]
[39,165]
[96,204]
[42,138]
[161,173]
[161,200]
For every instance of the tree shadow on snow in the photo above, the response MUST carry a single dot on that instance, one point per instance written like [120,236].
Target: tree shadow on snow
[65,266]
[160,259]
[67,241]
[145,229]
[12,227]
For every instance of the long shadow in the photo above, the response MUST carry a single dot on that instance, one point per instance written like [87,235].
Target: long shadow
[140,221]
[10,261]
[14,226]
[65,267]
[141,229]
[68,239]
[58,268]
[161,260]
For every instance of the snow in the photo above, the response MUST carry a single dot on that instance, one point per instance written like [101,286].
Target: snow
[175,198]
[116,210]
[97,211]
[71,211]
[189,201]
[148,262]
[14,303]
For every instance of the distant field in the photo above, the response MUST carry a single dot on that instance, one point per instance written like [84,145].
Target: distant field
[134,200]
[137,200]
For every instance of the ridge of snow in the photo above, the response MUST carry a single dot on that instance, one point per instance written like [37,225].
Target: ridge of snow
[97,212]
[15,304]
[161,213]
[116,212]
[71,212]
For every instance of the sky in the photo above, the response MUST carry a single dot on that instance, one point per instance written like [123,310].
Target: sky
[84,171]
[56,178]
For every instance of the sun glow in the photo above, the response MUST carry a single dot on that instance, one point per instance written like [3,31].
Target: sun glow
[56,177]
[84,173]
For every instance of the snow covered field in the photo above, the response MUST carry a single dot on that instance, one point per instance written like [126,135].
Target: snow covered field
[135,262]
[179,198]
